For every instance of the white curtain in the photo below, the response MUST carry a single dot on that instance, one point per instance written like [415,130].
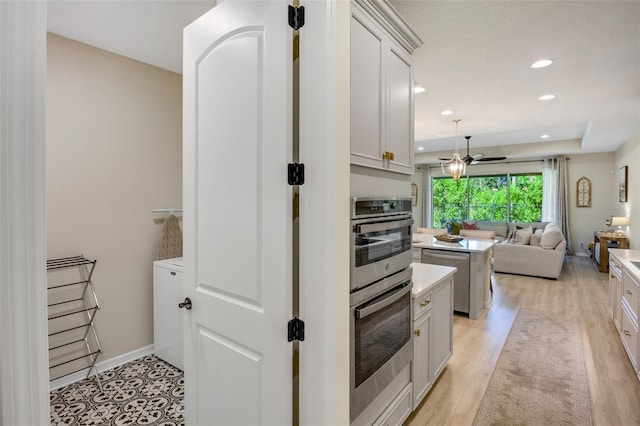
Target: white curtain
[550,190]
[555,196]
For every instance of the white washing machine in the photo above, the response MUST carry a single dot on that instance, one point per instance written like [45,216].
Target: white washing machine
[167,316]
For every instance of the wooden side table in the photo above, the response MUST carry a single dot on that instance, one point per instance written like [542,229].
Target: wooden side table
[602,239]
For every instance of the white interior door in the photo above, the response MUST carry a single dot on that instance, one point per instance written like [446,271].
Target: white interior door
[237,215]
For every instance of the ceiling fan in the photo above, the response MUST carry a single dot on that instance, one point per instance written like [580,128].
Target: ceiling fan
[475,159]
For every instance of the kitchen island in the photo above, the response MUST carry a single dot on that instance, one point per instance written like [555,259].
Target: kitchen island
[472,258]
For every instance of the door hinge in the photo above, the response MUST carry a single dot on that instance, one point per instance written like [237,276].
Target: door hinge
[296,174]
[296,17]
[296,329]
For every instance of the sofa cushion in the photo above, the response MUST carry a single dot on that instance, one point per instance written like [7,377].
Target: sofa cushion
[551,237]
[535,238]
[513,226]
[500,228]
[455,228]
[469,225]
[523,236]
[477,233]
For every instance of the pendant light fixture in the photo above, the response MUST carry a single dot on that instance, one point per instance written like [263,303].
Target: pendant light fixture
[454,167]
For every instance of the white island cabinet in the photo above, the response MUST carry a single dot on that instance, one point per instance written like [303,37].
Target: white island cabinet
[381,87]
[626,302]
[432,326]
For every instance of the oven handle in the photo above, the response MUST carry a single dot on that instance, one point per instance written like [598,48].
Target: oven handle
[368,310]
[383,226]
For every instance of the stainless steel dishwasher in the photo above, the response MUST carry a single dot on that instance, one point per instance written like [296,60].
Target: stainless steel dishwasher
[461,278]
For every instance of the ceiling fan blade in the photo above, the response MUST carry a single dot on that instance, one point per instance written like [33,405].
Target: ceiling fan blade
[491,159]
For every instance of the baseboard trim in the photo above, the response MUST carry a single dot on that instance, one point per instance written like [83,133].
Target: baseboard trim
[102,366]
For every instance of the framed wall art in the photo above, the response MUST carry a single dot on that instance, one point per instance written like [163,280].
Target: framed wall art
[622,184]
[583,192]
[414,194]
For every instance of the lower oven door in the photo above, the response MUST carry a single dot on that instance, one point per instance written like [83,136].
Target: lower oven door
[381,344]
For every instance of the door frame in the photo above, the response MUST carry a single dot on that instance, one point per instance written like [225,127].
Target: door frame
[324,212]
[324,384]
[24,357]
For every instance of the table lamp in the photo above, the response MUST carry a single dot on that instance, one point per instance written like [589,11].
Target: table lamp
[620,221]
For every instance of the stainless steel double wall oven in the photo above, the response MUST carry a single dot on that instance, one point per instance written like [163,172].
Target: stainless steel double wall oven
[381,337]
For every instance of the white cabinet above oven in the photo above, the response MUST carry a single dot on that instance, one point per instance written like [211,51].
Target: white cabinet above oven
[381,87]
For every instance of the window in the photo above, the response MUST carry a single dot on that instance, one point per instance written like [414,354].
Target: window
[499,198]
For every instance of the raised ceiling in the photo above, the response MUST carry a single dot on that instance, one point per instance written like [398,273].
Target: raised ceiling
[475,61]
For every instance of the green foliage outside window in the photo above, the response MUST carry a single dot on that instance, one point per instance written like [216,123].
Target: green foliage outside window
[501,198]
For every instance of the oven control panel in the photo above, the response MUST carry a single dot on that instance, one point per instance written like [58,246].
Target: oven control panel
[374,207]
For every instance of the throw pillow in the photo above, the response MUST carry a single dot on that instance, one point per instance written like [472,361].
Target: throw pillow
[455,228]
[523,236]
[535,238]
[551,238]
[469,225]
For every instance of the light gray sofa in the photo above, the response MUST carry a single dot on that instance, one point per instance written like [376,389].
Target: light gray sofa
[538,254]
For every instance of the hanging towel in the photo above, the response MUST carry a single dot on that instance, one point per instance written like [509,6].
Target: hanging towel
[171,241]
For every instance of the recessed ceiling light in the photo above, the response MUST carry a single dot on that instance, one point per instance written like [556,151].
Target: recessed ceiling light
[420,148]
[542,63]
[418,89]
[446,112]
[547,97]
[545,136]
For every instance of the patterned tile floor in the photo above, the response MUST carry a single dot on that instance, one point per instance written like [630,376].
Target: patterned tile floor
[147,391]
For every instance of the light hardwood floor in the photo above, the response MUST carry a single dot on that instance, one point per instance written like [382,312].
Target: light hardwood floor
[581,291]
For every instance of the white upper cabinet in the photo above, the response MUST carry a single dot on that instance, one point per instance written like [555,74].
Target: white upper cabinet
[381,87]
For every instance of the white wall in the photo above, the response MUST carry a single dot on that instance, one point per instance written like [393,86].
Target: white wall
[599,168]
[114,152]
[629,155]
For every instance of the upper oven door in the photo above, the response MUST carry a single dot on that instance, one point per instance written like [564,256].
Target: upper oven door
[379,248]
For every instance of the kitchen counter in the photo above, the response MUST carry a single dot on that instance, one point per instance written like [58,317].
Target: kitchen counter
[630,260]
[466,244]
[426,276]
[472,279]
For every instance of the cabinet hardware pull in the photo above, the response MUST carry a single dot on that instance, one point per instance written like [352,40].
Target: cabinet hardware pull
[425,303]
[613,276]
[387,155]
[628,291]
[627,333]
[418,332]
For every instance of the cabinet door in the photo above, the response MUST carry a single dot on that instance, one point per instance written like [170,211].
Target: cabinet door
[366,91]
[442,336]
[400,109]
[421,365]
[617,306]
